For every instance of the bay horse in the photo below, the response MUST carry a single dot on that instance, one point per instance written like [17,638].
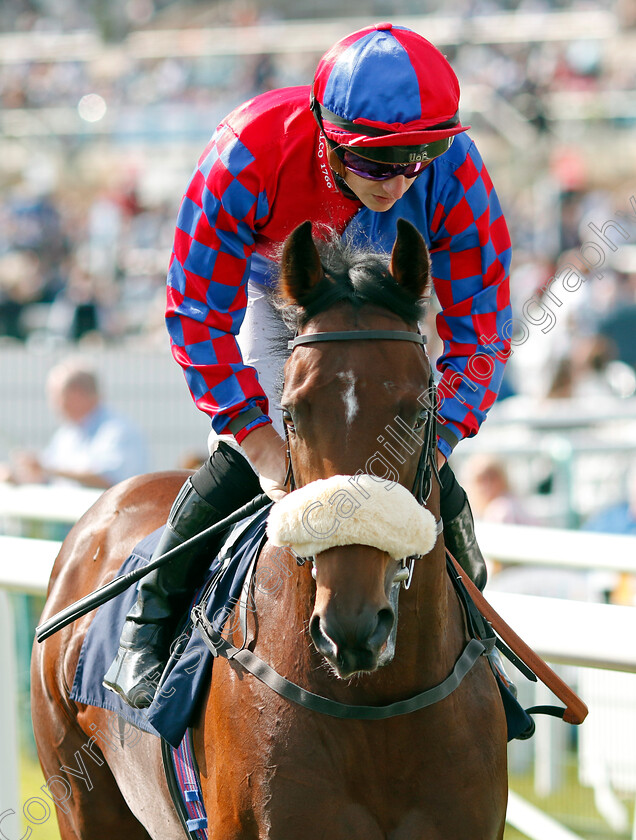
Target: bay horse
[271,768]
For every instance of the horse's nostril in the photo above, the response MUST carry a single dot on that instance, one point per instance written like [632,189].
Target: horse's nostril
[386,617]
[314,627]
[320,639]
[383,627]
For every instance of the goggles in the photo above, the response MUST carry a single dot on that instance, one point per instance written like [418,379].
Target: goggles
[376,170]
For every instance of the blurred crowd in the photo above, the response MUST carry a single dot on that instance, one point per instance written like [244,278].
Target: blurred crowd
[523,73]
[73,269]
[84,253]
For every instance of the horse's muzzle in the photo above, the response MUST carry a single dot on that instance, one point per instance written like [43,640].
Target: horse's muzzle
[352,644]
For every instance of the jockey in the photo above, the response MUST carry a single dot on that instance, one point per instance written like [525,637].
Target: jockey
[376,138]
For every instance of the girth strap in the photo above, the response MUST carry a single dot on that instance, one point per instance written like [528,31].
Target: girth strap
[262,671]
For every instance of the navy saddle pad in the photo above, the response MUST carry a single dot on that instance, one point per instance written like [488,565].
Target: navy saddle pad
[188,671]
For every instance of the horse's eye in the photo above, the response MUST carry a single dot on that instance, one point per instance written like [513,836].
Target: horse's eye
[288,421]
[421,420]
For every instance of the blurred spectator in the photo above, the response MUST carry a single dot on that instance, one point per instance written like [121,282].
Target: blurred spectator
[491,497]
[81,308]
[20,286]
[620,328]
[583,374]
[591,356]
[94,446]
[485,479]
[620,588]
[620,518]
[561,383]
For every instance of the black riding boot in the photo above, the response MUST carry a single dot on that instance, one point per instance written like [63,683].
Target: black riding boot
[221,486]
[459,528]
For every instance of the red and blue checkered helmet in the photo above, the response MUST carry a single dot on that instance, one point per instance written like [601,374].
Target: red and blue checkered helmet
[386,91]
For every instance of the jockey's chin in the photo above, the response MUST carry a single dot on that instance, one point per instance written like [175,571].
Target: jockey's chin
[378,195]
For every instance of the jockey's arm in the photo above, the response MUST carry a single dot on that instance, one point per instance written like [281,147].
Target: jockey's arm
[207,287]
[266,450]
[470,258]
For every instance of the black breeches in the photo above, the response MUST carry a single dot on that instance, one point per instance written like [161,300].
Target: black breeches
[226,481]
[452,494]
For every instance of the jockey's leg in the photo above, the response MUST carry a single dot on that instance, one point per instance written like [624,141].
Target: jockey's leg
[224,483]
[460,539]
[459,528]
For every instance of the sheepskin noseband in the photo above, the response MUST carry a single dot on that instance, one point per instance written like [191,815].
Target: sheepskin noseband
[352,510]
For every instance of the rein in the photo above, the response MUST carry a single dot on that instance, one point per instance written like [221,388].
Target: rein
[427,467]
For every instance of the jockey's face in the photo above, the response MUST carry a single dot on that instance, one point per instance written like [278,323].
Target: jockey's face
[378,195]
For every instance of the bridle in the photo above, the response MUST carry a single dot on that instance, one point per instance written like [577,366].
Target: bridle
[427,463]
[427,468]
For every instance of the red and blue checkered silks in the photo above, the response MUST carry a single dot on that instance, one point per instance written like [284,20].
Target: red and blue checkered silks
[265,171]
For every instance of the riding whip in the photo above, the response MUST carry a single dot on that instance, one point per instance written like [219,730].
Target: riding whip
[118,585]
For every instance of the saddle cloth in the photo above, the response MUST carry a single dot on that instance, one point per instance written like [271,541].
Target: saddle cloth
[188,672]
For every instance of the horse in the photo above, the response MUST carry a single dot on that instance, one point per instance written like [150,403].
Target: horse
[271,768]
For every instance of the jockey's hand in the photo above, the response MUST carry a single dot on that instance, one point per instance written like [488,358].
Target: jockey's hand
[266,450]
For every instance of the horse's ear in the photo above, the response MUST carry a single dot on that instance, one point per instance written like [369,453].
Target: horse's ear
[410,263]
[301,269]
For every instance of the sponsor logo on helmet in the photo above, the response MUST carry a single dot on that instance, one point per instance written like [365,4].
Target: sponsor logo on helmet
[324,167]
[415,157]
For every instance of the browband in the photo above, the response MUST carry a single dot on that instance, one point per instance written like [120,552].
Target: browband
[357,335]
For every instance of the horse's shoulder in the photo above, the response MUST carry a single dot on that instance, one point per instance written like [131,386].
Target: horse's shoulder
[103,537]
[131,503]
[156,488]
